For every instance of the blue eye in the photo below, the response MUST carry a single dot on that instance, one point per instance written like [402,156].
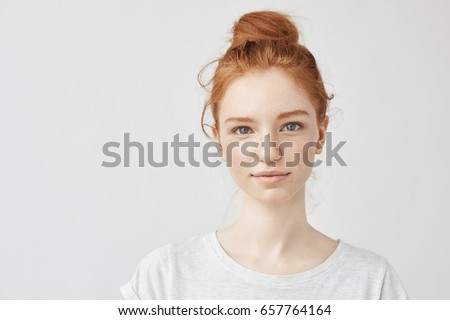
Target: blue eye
[245,130]
[292,125]
[240,132]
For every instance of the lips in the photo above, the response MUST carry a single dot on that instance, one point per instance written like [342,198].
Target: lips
[271,179]
[270,174]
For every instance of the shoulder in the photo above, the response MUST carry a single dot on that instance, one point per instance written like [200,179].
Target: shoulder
[156,271]
[362,263]
[190,246]
[368,265]
[163,256]
[362,257]
[186,247]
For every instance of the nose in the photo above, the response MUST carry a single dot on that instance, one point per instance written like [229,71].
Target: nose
[268,149]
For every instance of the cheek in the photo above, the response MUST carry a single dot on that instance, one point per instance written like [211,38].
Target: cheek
[238,172]
[237,158]
[301,153]
[233,154]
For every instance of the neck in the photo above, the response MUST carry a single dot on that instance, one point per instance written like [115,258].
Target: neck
[273,227]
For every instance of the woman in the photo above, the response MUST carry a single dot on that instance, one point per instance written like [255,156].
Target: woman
[266,87]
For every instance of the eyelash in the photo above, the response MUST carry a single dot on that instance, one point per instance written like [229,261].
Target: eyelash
[297,123]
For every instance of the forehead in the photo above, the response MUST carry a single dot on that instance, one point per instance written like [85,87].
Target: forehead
[265,93]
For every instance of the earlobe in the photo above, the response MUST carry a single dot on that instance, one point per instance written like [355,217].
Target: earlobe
[325,121]
[322,133]
[220,149]
[219,145]
[319,147]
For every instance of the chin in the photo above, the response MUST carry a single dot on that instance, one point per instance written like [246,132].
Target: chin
[271,196]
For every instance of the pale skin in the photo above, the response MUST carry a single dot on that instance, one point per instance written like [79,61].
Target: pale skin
[272,234]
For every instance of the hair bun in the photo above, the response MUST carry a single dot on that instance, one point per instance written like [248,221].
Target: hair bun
[262,26]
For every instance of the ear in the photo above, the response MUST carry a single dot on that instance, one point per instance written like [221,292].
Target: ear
[322,135]
[217,138]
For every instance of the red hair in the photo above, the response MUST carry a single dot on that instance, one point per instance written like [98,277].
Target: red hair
[262,40]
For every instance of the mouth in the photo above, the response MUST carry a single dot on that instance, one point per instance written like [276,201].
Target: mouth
[270,174]
[270,179]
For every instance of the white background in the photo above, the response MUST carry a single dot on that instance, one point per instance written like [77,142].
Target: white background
[77,74]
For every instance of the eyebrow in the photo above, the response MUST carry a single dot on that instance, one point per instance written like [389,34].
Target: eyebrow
[279,116]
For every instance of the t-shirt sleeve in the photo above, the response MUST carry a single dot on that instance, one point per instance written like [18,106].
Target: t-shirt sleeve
[150,278]
[392,287]
[128,292]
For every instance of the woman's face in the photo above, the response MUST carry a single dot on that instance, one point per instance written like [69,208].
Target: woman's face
[268,105]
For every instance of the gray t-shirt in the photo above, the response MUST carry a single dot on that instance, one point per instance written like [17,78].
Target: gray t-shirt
[199,268]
